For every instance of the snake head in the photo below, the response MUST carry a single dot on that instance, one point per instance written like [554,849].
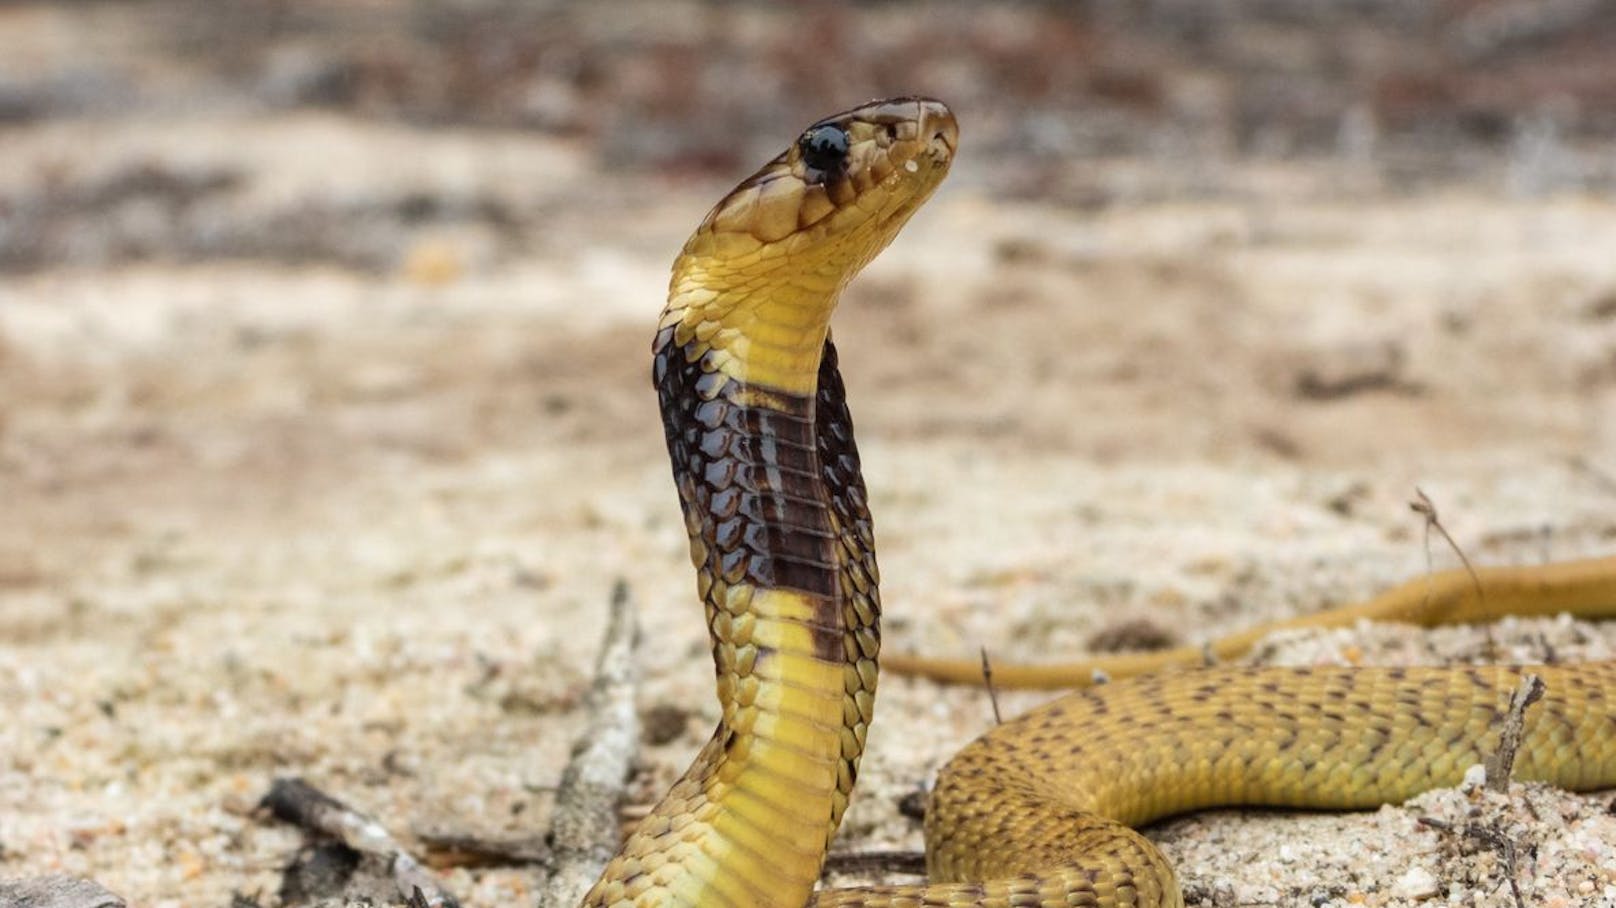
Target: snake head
[839,193]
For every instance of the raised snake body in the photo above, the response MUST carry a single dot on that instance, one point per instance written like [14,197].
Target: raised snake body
[1036,812]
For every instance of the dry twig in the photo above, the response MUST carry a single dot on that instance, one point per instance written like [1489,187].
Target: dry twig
[868,863]
[1425,507]
[584,832]
[1501,762]
[296,801]
[987,682]
[1501,843]
[453,850]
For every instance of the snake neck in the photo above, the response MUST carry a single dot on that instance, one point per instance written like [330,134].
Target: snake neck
[768,475]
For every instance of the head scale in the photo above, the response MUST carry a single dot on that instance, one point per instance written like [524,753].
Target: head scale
[768,263]
[837,195]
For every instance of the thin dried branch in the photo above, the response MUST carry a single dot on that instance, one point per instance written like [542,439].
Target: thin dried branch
[584,830]
[1425,507]
[443,851]
[1501,843]
[296,801]
[872,863]
[987,682]
[1501,762]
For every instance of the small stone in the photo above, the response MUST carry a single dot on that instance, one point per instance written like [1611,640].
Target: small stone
[1474,777]
[1417,883]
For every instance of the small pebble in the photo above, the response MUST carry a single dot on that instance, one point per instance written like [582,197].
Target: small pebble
[1417,883]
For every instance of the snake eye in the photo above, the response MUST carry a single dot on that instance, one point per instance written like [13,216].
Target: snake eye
[824,150]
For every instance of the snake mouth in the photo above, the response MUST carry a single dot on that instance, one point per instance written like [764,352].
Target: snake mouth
[936,118]
[939,129]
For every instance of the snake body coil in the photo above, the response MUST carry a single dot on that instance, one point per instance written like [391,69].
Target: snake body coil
[1037,811]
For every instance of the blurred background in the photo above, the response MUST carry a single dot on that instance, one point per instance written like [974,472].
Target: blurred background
[324,412]
[1083,104]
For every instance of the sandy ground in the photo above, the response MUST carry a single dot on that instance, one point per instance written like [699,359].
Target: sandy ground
[360,526]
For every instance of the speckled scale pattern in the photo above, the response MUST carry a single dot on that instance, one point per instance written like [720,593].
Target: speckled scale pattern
[1039,804]
[1079,769]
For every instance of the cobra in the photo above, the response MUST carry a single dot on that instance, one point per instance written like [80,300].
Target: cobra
[1038,811]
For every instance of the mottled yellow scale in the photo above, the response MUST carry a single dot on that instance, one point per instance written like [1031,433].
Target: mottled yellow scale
[1037,812]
